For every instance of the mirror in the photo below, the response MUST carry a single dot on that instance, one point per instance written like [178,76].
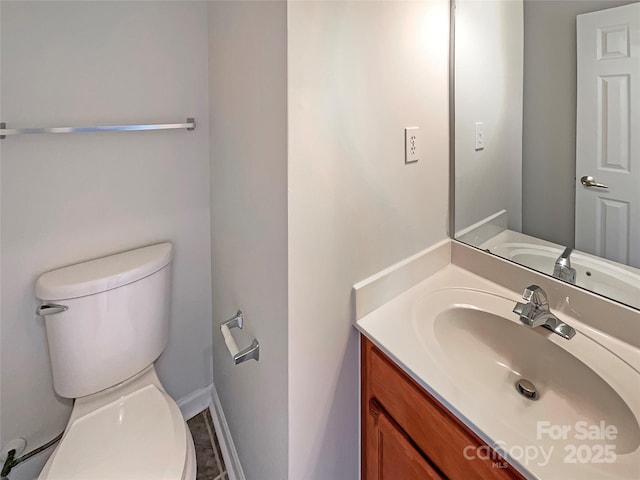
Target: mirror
[547,154]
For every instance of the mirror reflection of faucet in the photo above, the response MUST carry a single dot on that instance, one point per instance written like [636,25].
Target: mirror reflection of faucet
[536,313]
[562,268]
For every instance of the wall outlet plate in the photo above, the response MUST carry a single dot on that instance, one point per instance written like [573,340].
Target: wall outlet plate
[479,135]
[411,144]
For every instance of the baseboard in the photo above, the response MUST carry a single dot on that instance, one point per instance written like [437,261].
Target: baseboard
[195,402]
[229,453]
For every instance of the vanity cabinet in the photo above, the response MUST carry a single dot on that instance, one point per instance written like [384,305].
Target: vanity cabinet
[407,434]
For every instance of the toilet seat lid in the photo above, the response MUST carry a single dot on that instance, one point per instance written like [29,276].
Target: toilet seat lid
[141,435]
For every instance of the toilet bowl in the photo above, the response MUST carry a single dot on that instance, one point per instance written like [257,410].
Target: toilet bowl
[108,324]
[131,431]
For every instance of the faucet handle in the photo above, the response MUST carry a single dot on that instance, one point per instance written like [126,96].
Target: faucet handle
[536,295]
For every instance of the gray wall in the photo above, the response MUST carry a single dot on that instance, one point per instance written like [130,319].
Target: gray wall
[68,198]
[548,161]
[310,194]
[488,86]
[248,88]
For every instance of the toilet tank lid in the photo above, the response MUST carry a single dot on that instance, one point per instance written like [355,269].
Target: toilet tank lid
[102,274]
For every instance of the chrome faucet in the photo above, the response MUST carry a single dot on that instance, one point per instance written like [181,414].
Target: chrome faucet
[562,268]
[536,313]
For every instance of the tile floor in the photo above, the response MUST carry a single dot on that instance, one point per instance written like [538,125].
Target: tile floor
[210,465]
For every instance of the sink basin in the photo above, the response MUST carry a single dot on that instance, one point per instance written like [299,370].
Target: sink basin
[491,353]
[482,349]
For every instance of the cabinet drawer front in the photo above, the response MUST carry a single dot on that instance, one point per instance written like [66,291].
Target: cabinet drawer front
[440,436]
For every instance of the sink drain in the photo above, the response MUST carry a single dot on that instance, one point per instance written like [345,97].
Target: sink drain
[527,389]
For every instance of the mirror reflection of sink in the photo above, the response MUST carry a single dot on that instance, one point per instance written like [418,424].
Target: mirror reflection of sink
[611,279]
[608,280]
[484,350]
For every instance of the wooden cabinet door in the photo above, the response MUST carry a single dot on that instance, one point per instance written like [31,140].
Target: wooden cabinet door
[390,453]
[423,427]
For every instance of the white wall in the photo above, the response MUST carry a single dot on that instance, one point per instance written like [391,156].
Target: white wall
[248,85]
[359,72]
[67,198]
[488,88]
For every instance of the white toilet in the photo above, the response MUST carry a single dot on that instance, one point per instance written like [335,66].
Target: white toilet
[107,322]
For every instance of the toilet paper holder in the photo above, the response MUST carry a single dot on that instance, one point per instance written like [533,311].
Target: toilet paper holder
[251,352]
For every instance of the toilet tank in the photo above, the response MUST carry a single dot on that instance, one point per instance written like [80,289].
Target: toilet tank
[116,322]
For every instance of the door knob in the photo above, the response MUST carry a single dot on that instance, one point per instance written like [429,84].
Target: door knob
[589,181]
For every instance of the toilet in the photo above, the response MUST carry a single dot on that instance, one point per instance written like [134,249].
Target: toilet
[107,322]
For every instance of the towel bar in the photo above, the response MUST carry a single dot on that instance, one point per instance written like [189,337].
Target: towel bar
[190,125]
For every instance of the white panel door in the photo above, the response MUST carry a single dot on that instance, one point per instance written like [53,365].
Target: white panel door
[607,135]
